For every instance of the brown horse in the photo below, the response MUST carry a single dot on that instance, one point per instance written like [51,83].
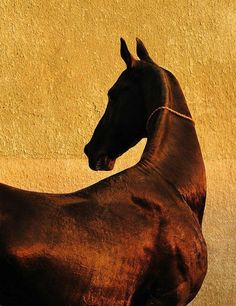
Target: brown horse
[131,239]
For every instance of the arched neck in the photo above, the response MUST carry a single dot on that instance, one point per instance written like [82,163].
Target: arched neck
[164,94]
[172,148]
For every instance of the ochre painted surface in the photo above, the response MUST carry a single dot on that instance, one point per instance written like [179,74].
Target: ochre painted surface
[59,58]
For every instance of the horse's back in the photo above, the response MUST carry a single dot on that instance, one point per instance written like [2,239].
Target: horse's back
[60,249]
[64,246]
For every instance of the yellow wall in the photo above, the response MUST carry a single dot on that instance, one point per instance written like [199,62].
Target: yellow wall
[57,61]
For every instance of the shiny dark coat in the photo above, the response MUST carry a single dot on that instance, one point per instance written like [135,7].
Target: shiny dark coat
[134,238]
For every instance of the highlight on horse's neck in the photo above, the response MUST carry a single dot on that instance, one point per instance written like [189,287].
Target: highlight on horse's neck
[170,92]
[155,134]
[173,150]
[164,123]
[160,108]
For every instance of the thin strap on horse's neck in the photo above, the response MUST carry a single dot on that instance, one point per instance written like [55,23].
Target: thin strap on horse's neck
[170,110]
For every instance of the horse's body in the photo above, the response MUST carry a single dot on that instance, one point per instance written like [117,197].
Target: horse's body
[132,239]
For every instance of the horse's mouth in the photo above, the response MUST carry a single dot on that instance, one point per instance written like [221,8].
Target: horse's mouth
[104,163]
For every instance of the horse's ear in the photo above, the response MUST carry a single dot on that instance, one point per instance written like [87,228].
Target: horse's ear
[125,54]
[142,51]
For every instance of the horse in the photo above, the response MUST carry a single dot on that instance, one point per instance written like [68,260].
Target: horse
[134,238]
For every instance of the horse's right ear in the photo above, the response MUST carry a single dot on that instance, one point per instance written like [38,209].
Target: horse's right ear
[125,54]
[142,51]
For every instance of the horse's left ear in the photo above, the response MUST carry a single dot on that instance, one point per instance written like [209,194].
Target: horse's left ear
[126,55]
[142,51]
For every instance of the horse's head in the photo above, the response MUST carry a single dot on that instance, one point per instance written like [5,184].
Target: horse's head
[124,121]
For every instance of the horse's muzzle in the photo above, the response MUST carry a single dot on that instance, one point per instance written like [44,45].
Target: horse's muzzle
[99,161]
[103,163]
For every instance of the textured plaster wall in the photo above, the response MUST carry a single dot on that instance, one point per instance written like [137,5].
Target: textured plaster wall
[58,59]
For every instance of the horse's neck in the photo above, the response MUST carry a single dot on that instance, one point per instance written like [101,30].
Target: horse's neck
[173,150]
